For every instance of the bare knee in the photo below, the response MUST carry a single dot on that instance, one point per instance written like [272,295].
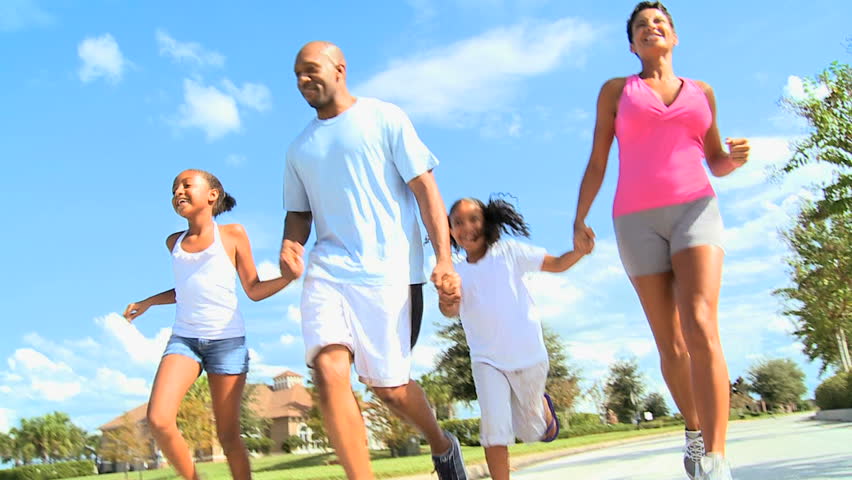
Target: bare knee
[160,423]
[700,325]
[330,371]
[392,396]
[229,439]
[674,353]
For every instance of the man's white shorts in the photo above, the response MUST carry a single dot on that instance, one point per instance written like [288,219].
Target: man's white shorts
[510,403]
[373,322]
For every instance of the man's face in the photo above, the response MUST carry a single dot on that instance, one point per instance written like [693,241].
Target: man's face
[316,77]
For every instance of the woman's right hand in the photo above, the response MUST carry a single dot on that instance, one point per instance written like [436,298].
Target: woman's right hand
[135,309]
[584,238]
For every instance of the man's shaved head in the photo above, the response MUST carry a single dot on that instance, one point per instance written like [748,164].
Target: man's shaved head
[324,49]
[321,77]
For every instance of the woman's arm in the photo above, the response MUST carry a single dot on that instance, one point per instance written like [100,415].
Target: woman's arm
[593,177]
[719,161]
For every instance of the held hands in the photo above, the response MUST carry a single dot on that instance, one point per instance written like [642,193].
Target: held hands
[449,289]
[135,309]
[738,148]
[291,262]
[584,239]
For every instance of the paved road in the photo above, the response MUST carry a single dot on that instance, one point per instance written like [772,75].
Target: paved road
[783,448]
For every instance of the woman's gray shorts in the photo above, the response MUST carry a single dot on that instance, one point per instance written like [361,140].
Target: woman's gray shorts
[648,239]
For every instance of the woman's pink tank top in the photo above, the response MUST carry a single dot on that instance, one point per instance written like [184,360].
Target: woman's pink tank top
[660,148]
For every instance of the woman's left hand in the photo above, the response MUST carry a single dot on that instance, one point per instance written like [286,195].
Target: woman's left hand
[738,148]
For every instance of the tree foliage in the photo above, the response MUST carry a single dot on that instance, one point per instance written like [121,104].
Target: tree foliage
[624,389]
[827,108]
[454,367]
[779,382]
[820,299]
[656,404]
[195,416]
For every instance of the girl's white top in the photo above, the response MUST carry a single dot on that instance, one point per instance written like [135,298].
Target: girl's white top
[496,309]
[205,291]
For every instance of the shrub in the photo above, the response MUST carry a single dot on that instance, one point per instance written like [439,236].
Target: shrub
[835,392]
[467,430]
[292,443]
[50,471]
[259,444]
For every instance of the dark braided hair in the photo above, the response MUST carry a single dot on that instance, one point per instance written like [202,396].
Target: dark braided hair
[499,217]
[225,202]
[644,6]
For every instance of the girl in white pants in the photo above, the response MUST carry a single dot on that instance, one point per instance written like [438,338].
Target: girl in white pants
[507,351]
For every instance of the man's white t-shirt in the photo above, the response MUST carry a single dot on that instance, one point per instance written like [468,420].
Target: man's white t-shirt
[351,172]
[496,309]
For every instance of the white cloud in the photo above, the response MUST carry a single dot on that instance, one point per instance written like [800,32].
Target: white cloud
[6,417]
[553,294]
[267,270]
[287,339]
[114,381]
[797,90]
[425,356]
[792,349]
[207,108]
[188,52]
[763,231]
[781,324]
[56,391]
[236,160]
[142,350]
[20,14]
[738,272]
[294,314]
[481,73]
[31,361]
[252,95]
[101,57]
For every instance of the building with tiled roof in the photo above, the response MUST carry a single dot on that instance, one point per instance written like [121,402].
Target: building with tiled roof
[285,404]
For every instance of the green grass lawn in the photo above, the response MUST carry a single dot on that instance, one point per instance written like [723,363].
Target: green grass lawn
[316,467]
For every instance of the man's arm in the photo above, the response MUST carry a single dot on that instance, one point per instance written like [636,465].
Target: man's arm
[297,229]
[434,215]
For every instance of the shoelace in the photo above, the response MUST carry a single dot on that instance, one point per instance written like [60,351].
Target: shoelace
[694,450]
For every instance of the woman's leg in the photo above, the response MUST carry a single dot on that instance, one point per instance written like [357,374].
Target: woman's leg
[698,278]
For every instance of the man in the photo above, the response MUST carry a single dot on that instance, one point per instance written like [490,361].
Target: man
[358,171]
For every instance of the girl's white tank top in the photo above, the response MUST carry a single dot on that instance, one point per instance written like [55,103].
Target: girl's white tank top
[205,291]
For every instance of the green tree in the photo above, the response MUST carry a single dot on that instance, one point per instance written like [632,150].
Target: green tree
[251,423]
[314,420]
[827,108]
[387,426]
[195,416]
[656,404]
[128,443]
[820,299]
[779,382]
[624,389]
[439,394]
[454,366]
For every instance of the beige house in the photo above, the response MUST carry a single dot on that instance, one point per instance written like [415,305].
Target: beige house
[285,403]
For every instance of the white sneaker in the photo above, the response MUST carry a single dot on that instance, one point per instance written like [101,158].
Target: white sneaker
[693,452]
[715,467]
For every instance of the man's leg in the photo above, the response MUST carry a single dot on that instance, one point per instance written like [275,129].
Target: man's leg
[341,416]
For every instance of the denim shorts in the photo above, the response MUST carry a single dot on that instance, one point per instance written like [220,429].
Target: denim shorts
[226,356]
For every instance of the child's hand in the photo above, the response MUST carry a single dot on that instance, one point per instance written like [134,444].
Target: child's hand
[134,310]
[449,288]
[584,240]
[291,262]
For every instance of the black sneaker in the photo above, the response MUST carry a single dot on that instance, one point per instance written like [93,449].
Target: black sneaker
[450,466]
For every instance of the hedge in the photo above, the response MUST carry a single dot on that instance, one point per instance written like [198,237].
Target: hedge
[835,392]
[50,471]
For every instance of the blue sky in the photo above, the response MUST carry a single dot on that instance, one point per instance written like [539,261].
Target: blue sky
[105,102]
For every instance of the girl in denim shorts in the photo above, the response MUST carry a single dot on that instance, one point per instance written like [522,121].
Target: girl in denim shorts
[208,334]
